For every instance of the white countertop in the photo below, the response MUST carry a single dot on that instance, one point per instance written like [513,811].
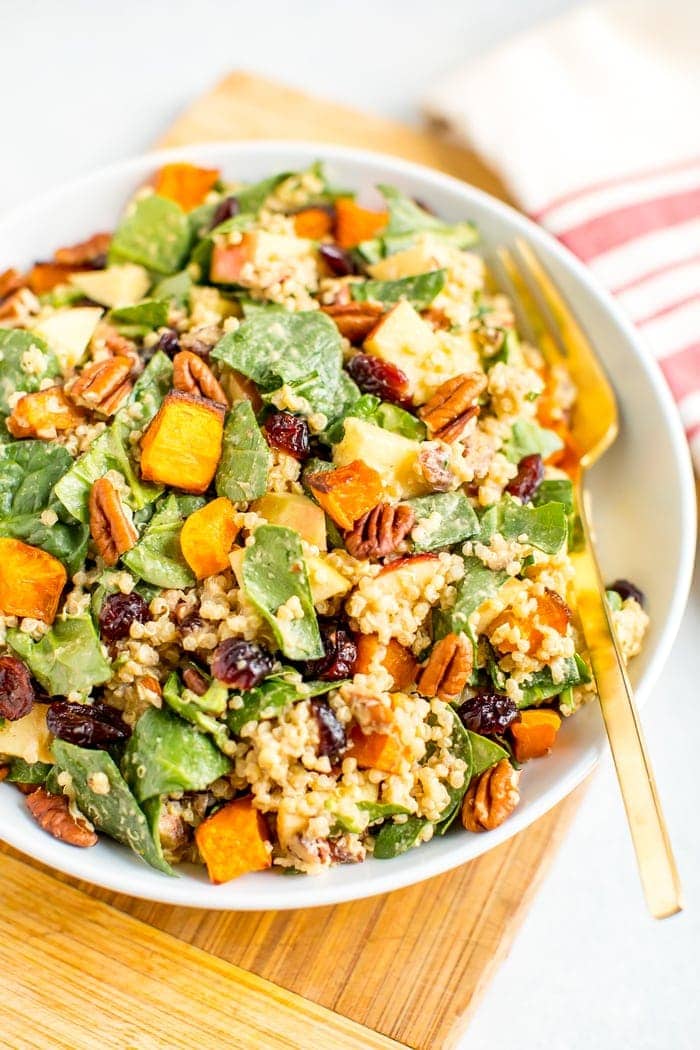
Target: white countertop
[82,86]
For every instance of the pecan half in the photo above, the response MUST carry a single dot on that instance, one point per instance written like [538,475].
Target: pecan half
[380,531]
[10,281]
[194,681]
[19,308]
[118,345]
[354,321]
[437,319]
[4,770]
[110,528]
[433,461]
[453,405]
[448,668]
[51,812]
[103,385]
[491,798]
[86,253]
[194,376]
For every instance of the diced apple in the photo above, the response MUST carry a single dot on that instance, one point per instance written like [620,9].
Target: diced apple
[296,512]
[260,248]
[235,559]
[68,333]
[407,341]
[116,286]
[27,738]
[400,577]
[394,457]
[412,261]
[325,580]
[227,261]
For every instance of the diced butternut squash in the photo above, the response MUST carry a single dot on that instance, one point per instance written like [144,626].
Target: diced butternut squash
[567,458]
[313,223]
[375,751]
[28,738]
[348,492]
[395,658]
[207,537]
[227,261]
[393,456]
[535,734]
[44,414]
[295,512]
[182,445]
[354,224]
[44,276]
[234,841]
[31,581]
[552,611]
[185,184]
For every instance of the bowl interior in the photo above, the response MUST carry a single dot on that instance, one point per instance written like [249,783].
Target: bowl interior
[650,541]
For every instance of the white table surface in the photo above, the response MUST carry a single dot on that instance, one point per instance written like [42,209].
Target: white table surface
[83,85]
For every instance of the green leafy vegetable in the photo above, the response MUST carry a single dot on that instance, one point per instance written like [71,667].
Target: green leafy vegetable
[149,390]
[165,755]
[381,413]
[157,558]
[614,600]
[394,839]
[16,371]
[528,438]
[251,198]
[442,520]
[406,221]
[193,712]
[21,772]
[115,812]
[155,233]
[478,584]
[561,490]
[485,753]
[266,700]
[68,658]
[541,686]
[145,316]
[176,288]
[460,748]
[419,290]
[381,810]
[245,457]
[274,574]
[545,526]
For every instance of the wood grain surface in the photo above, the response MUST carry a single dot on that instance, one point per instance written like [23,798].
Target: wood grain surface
[409,965]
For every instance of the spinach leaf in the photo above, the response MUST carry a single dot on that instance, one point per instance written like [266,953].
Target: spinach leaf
[561,490]
[251,198]
[157,558]
[176,288]
[394,839]
[478,584]
[107,452]
[21,772]
[381,810]
[541,686]
[460,747]
[114,813]
[143,317]
[165,755]
[442,520]
[406,221]
[17,371]
[155,233]
[266,700]
[274,573]
[245,457]
[152,809]
[67,658]
[303,349]
[485,753]
[192,712]
[382,413]
[202,252]
[528,438]
[545,526]
[419,290]
[28,472]
[149,390]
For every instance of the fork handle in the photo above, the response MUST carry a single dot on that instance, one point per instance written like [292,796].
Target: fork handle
[657,866]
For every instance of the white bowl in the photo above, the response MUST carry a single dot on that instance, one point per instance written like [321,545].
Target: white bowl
[643,503]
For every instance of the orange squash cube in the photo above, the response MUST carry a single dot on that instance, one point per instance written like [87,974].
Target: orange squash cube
[354,224]
[182,445]
[552,611]
[31,581]
[397,659]
[43,414]
[375,751]
[347,493]
[535,734]
[313,223]
[234,841]
[207,537]
[44,276]
[185,184]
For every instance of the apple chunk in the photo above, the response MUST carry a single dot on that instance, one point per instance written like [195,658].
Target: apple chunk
[392,456]
[296,512]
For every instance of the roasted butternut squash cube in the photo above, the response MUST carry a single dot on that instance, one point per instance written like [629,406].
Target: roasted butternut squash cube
[313,223]
[347,492]
[44,414]
[234,841]
[31,581]
[207,537]
[185,184]
[354,224]
[375,751]
[182,445]
[534,735]
[399,661]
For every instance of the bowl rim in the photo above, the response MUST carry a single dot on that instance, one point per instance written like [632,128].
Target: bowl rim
[321,893]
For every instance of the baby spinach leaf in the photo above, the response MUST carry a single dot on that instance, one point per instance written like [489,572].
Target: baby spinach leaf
[485,753]
[67,658]
[302,349]
[245,457]
[614,600]
[251,198]
[266,700]
[274,573]
[193,712]
[115,812]
[21,772]
[18,367]
[541,686]
[545,526]
[406,221]
[528,438]
[165,754]
[381,810]
[28,472]
[155,233]
[157,558]
[149,390]
[176,289]
[478,584]
[461,748]
[442,520]
[382,413]
[394,839]
[561,490]
[152,809]
[145,316]
[419,290]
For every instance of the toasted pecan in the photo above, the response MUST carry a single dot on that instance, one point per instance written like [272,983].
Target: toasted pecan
[52,813]
[453,405]
[103,385]
[491,797]
[11,281]
[110,527]
[434,463]
[354,321]
[448,668]
[85,253]
[380,531]
[194,376]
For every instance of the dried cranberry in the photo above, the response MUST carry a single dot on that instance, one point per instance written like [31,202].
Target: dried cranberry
[169,343]
[241,664]
[118,612]
[375,376]
[16,690]
[86,725]
[331,732]
[528,479]
[288,433]
[340,658]
[628,590]
[489,713]
[338,262]
[226,209]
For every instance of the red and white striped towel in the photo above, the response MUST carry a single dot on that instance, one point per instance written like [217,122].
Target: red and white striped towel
[592,122]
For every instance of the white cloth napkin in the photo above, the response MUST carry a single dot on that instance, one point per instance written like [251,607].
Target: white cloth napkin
[593,122]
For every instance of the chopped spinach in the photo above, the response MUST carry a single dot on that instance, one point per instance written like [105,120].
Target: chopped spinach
[442,520]
[21,772]
[176,288]
[245,457]
[251,198]
[141,318]
[382,413]
[155,233]
[544,526]
[157,558]
[68,658]
[419,290]
[460,747]
[478,584]
[394,839]
[528,438]
[266,700]
[149,390]
[193,712]
[381,810]
[541,686]
[15,372]
[407,220]
[485,753]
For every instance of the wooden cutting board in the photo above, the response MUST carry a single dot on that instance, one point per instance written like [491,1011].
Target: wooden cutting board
[82,965]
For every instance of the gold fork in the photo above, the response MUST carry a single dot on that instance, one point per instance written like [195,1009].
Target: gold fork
[594,428]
